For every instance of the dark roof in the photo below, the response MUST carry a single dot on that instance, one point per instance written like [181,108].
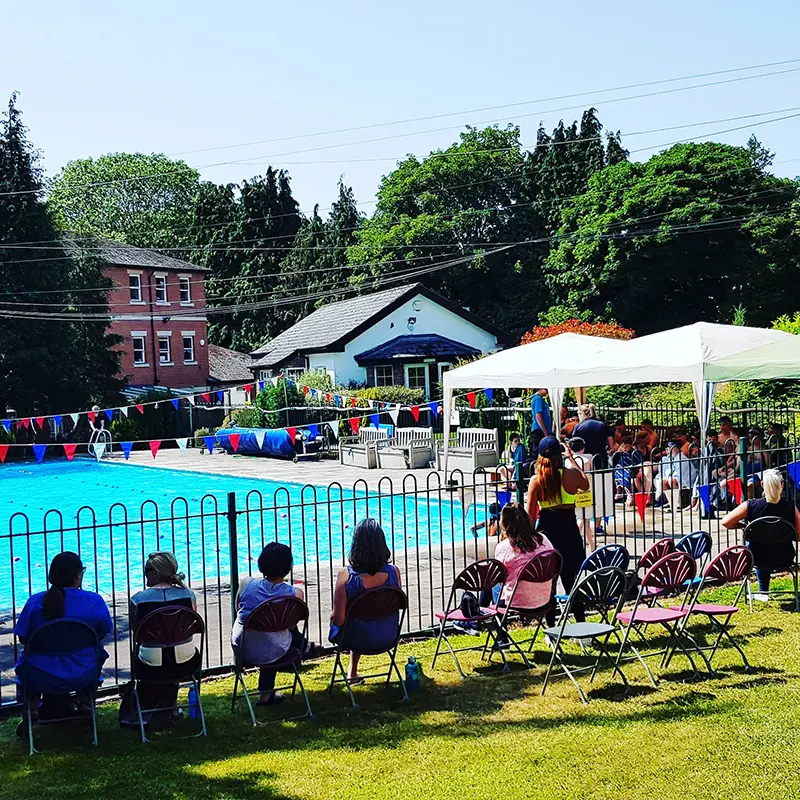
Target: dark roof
[419,345]
[228,366]
[126,255]
[332,326]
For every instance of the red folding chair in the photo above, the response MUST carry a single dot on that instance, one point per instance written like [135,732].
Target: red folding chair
[656,551]
[169,627]
[668,575]
[479,577]
[272,616]
[372,605]
[731,566]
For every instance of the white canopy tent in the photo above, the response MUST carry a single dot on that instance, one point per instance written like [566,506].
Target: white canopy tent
[702,354]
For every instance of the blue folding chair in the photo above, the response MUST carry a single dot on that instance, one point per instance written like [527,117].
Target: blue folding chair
[609,555]
[698,546]
[60,637]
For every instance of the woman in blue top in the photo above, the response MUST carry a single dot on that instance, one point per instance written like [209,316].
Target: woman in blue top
[53,675]
[369,568]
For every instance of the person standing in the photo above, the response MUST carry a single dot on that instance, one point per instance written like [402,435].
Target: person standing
[599,439]
[542,423]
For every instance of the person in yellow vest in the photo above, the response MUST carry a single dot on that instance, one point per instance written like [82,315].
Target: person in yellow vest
[584,502]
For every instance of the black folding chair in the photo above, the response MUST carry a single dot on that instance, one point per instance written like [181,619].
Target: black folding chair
[479,577]
[272,616]
[60,637]
[773,541]
[372,605]
[168,627]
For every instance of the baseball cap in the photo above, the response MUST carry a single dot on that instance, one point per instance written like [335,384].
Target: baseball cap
[549,446]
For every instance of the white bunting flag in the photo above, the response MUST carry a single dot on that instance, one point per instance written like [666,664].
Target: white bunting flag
[260,436]
[274,380]
[371,403]
[394,413]
[455,417]
[467,499]
[191,399]
[74,419]
[334,426]
[99,450]
[124,411]
[182,443]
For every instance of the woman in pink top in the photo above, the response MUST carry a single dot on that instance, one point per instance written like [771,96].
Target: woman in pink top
[518,542]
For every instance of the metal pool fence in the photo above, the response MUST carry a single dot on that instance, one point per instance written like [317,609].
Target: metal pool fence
[434,526]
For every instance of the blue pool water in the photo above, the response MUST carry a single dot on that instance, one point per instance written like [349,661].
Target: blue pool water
[115,514]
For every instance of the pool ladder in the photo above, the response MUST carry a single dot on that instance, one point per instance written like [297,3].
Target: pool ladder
[100,443]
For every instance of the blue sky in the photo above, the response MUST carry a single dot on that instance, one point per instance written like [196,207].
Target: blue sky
[175,76]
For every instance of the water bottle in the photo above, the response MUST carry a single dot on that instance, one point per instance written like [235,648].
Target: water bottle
[192,702]
[412,674]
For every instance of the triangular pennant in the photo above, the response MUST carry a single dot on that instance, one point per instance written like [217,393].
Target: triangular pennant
[99,450]
[794,472]
[38,451]
[305,390]
[248,387]
[261,434]
[704,492]
[334,429]
[191,399]
[274,380]
[109,412]
[640,500]
[292,434]
[435,409]
[394,413]
[355,423]
[353,402]
[154,445]
[376,419]
[7,425]
[206,396]
[313,429]
[124,411]
[471,399]
[262,385]
[489,394]
[467,500]
[126,449]
[140,408]
[220,395]
[415,413]
[327,397]
[313,393]
[336,399]
[182,443]
[3,453]
[736,489]
[74,418]
[40,422]
[69,451]
[58,419]
[175,402]
[26,423]
[233,438]
[210,441]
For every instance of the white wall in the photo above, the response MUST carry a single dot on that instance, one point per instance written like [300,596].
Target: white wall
[430,318]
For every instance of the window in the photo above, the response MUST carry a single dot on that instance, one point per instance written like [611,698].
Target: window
[135,286]
[443,367]
[384,376]
[185,287]
[417,377]
[188,348]
[164,352]
[139,350]
[293,373]
[161,288]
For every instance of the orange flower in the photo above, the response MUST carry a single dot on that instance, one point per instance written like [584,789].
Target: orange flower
[608,330]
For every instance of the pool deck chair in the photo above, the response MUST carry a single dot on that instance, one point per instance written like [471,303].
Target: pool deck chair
[60,637]
[359,451]
[409,448]
[374,604]
[602,588]
[479,577]
[272,616]
[731,567]
[774,544]
[475,448]
[168,627]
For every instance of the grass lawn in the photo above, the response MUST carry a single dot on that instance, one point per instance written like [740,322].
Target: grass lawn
[490,736]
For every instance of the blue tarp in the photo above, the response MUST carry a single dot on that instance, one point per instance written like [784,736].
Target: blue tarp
[277,444]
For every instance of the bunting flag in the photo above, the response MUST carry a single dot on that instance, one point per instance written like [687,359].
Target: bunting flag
[109,412]
[355,422]
[233,438]
[210,441]
[69,451]
[74,418]
[262,385]
[7,425]
[261,434]
[640,501]
[175,402]
[292,434]
[25,423]
[794,472]
[99,450]
[471,399]
[467,499]
[435,409]
[704,492]
[58,420]
[40,423]
[394,413]
[336,399]
[415,413]
[38,451]
[327,397]
[3,453]
[182,443]
[489,394]
[313,429]
[274,381]
[190,398]
[124,411]
[735,487]
[140,409]
[126,449]
[352,402]
[206,396]
[154,445]
[248,387]
[305,390]
[220,395]
[334,429]
[376,419]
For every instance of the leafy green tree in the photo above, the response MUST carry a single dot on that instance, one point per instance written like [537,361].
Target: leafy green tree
[689,235]
[143,200]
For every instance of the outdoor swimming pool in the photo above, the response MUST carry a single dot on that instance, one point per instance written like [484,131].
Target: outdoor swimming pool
[115,514]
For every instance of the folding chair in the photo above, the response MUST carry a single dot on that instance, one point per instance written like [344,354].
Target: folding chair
[698,546]
[542,567]
[763,536]
[731,566]
[670,574]
[272,616]
[609,555]
[656,551]
[479,577]
[374,604]
[60,637]
[168,627]
[604,588]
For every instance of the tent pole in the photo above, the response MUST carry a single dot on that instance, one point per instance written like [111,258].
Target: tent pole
[447,411]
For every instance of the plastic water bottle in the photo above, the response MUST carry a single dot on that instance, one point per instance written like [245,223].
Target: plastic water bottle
[192,702]
[412,674]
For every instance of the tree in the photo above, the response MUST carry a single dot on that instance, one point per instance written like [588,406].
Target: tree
[607,330]
[46,364]
[143,200]
[689,235]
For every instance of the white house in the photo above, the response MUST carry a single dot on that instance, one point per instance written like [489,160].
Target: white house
[407,336]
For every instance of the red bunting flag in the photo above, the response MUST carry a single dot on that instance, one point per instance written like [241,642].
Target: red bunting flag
[640,501]
[305,390]
[735,486]
[25,422]
[140,409]
[69,450]
[415,412]
[154,445]
[3,453]
[40,423]
[248,388]
[92,416]
[355,422]
[352,402]
[471,399]
[206,396]
[327,397]
[233,438]
[292,434]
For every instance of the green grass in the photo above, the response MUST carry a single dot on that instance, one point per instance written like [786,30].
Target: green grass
[490,736]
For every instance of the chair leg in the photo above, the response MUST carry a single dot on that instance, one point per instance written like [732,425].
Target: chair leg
[93,701]
[203,731]
[333,674]
[235,690]
[796,592]
[453,654]
[750,595]
[298,681]
[29,714]
[584,698]
[393,663]
[248,700]
[438,644]
[556,645]
[139,713]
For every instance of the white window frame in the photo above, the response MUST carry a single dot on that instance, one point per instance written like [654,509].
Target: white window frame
[441,368]
[407,367]
[165,336]
[190,336]
[140,300]
[375,374]
[159,276]
[142,335]
[293,373]
[188,280]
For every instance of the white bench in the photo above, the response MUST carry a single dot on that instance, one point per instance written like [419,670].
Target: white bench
[409,448]
[474,448]
[359,451]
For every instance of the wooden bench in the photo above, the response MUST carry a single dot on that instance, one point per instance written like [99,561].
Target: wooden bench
[474,448]
[409,448]
[359,451]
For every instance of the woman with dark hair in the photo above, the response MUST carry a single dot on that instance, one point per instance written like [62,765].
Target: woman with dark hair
[369,568]
[551,505]
[64,599]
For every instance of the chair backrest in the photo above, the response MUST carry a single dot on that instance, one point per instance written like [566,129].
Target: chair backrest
[609,555]
[169,626]
[277,614]
[730,566]
[63,637]
[601,588]
[670,572]
[656,551]
[467,437]
[405,436]
[481,576]
[370,435]
[697,544]
[542,567]
[770,530]
[383,601]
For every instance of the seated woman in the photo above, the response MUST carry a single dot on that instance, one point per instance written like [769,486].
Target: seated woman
[156,665]
[275,565]
[50,674]
[369,568]
[517,455]
[772,504]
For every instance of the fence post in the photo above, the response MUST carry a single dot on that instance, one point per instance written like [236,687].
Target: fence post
[233,551]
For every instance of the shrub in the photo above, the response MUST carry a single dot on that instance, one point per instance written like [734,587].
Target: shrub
[316,379]
[248,417]
[390,394]
[273,398]
[198,437]
[127,430]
